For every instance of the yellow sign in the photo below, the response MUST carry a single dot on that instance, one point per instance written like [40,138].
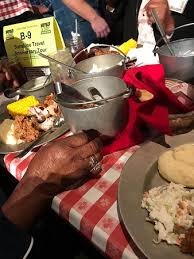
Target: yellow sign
[23,41]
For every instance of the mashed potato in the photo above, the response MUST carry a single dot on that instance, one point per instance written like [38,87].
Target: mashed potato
[7,133]
[177,165]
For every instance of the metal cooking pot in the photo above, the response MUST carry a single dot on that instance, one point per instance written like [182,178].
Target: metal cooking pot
[181,64]
[109,64]
[108,118]
[39,87]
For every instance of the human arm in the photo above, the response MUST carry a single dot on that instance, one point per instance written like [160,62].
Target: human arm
[83,9]
[55,167]
[14,242]
[164,13]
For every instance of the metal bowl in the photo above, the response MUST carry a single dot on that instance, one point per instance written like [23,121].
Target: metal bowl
[108,118]
[39,87]
[108,65]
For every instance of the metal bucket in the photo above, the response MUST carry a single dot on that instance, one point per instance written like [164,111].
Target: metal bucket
[108,118]
[108,64]
[181,64]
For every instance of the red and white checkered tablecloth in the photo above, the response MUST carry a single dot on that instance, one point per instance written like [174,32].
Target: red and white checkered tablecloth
[91,208]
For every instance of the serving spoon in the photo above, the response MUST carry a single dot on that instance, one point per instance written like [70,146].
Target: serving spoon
[161,30]
[61,63]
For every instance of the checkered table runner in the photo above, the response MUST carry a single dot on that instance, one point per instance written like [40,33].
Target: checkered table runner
[91,208]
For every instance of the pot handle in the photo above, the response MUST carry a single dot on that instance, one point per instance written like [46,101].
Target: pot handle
[177,28]
[11,93]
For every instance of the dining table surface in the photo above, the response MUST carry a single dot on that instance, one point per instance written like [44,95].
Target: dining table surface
[92,207]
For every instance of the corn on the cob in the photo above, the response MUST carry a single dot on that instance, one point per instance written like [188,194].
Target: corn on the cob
[128,45]
[21,107]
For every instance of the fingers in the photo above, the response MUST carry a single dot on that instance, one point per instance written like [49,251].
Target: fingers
[100,27]
[84,166]
[89,149]
[81,138]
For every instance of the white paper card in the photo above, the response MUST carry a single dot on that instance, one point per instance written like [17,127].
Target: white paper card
[177,6]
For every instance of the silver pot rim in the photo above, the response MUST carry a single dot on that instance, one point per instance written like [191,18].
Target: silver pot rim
[158,49]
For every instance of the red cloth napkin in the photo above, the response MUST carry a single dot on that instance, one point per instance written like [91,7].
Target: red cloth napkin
[153,112]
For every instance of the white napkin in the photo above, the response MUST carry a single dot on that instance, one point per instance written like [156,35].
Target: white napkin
[144,55]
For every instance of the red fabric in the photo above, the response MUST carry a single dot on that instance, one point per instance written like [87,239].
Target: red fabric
[153,112]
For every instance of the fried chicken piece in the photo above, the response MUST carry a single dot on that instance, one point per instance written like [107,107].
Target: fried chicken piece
[99,52]
[46,109]
[25,128]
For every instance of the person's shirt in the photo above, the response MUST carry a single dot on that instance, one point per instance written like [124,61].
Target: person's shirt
[13,8]
[145,31]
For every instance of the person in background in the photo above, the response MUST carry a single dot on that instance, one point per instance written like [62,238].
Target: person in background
[11,12]
[42,7]
[185,17]
[91,26]
[124,17]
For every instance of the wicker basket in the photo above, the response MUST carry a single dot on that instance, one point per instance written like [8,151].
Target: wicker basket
[179,123]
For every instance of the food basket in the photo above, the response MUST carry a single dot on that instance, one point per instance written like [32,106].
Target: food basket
[183,122]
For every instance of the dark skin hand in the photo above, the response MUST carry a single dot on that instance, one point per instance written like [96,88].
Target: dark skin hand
[54,167]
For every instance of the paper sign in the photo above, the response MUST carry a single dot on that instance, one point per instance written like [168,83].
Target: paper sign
[23,41]
[177,6]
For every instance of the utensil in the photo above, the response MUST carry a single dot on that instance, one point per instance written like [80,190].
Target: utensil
[101,101]
[58,123]
[161,30]
[139,175]
[48,79]
[109,118]
[62,64]
[39,87]
[71,95]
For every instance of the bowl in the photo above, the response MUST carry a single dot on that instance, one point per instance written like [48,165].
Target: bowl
[39,87]
[104,65]
[109,117]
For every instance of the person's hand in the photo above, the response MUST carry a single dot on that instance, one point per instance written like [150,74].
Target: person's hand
[11,75]
[100,27]
[40,9]
[55,167]
[66,161]
[164,13]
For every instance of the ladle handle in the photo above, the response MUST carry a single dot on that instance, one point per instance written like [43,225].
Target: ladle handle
[161,30]
[61,63]
[11,93]
[175,29]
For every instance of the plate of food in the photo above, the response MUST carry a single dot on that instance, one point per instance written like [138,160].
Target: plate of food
[25,120]
[156,198]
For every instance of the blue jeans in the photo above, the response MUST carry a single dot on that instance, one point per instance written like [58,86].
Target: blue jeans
[66,20]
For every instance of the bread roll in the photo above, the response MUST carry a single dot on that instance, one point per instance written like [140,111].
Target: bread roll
[177,165]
